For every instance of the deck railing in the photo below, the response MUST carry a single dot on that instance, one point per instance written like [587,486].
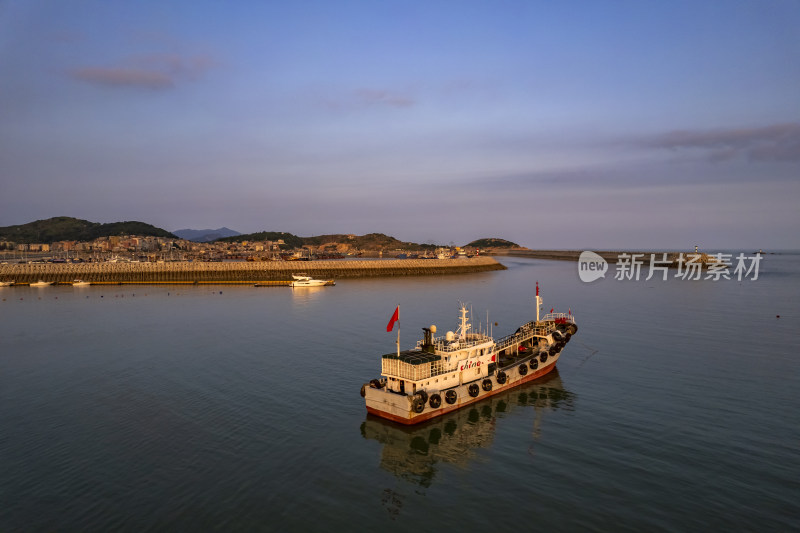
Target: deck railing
[441,344]
[398,369]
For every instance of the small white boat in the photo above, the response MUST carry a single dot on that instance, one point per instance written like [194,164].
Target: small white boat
[80,283]
[6,283]
[41,283]
[304,280]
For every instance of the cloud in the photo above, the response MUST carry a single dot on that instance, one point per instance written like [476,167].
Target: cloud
[360,99]
[159,71]
[776,142]
[123,77]
[383,97]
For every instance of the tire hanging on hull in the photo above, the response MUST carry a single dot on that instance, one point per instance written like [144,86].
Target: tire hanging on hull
[451,396]
[418,405]
[435,401]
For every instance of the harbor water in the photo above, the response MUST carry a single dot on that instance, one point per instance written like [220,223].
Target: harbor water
[234,408]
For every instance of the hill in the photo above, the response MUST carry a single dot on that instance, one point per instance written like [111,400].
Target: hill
[493,243]
[292,241]
[205,235]
[371,241]
[74,229]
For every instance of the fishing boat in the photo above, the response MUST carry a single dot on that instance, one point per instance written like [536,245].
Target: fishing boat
[41,283]
[6,283]
[304,280]
[80,283]
[442,374]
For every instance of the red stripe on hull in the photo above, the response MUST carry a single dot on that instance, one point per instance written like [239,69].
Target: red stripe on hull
[416,419]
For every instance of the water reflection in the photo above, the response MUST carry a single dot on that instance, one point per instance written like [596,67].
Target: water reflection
[306,295]
[412,453]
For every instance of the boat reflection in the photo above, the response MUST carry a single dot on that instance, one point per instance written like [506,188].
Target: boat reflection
[306,295]
[412,452]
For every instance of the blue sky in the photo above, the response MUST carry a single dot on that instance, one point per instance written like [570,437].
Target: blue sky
[552,124]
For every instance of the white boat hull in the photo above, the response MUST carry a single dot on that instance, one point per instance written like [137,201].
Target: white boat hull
[309,283]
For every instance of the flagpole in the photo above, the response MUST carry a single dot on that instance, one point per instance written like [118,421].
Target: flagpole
[398,330]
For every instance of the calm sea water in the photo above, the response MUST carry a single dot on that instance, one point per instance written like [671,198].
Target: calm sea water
[674,408]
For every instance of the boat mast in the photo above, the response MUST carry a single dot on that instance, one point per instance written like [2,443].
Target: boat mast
[464,327]
[538,302]
[398,331]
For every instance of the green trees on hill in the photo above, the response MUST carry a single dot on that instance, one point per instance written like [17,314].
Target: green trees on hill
[74,229]
[371,241]
[493,243]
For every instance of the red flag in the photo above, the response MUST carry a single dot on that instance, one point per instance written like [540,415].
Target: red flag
[395,318]
[570,311]
[551,310]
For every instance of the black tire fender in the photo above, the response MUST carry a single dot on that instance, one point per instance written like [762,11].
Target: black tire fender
[418,405]
[451,396]
[435,401]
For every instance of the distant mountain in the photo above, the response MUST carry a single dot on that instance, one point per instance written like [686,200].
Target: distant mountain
[493,243]
[74,229]
[205,235]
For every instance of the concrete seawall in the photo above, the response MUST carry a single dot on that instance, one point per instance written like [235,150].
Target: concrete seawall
[244,272]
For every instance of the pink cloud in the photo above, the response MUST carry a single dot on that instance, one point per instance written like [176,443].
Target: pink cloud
[160,71]
[123,77]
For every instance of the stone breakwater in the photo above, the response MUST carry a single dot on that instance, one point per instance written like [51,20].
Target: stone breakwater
[245,272]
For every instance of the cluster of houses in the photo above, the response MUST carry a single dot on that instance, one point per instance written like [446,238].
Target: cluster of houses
[137,248]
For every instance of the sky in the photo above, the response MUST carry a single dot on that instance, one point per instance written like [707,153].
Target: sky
[567,125]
